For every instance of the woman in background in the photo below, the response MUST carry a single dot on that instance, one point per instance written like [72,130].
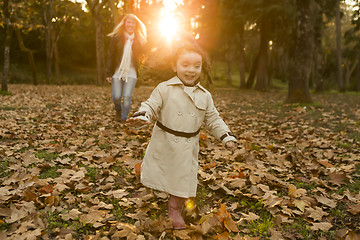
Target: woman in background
[126,48]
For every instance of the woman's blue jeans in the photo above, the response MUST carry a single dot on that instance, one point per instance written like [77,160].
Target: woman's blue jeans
[122,90]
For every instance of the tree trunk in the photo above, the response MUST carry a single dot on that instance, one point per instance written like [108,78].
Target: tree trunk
[100,57]
[55,51]
[28,53]
[298,91]
[262,76]
[48,14]
[115,11]
[340,80]
[251,78]
[229,66]
[7,44]
[358,75]
[349,69]
[95,9]
[318,65]
[242,57]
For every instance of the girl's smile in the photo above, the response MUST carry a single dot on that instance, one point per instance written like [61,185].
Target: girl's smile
[188,67]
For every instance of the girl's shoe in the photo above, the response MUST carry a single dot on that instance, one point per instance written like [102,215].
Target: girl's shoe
[175,207]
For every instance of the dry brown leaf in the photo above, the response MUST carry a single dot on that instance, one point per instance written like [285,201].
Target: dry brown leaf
[182,234]
[316,213]
[222,236]
[5,194]
[326,201]
[294,192]
[254,179]
[19,211]
[354,209]
[326,163]
[250,217]
[352,236]
[238,183]
[72,214]
[341,233]
[93,216]
[271,201]
[300,204]
[230,225]
[46,189]
[323,226]
[120,193]
[337,179]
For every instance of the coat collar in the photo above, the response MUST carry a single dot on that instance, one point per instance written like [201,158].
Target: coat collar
[176,81]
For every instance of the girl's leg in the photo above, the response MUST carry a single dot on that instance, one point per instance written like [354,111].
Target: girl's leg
[127,93]
[117,89]
[175,207]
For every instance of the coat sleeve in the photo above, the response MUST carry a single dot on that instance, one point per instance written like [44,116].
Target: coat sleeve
[151,108]
[215,124]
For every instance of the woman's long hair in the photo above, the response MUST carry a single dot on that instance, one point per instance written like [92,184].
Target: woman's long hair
[140,30]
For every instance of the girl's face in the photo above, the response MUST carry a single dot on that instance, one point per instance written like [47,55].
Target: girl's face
[188,67]
[130,25]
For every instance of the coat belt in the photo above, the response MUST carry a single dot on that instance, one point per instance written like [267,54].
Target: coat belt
[177,133]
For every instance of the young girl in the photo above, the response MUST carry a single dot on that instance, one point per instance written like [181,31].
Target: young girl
[180,106]
[126,47]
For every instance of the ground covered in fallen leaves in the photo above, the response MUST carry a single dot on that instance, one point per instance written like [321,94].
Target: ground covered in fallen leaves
[69,171]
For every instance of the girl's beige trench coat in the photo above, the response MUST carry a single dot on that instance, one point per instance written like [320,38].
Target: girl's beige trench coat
[171,162]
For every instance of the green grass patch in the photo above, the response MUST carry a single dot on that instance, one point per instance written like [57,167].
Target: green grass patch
[259,227]
[122,171]
[91,172]
[4,226]
[105,146]
[344,145]
[47,156]
[51,105]
[339,212]
[5,93]
[255,147]
[8,108]
[50,172]
[253,205]
[302,227]
[201,196]
[54,220]
[353,187]
[305,185]
[4,168]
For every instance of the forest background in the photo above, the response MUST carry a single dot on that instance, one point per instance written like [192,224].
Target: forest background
[304,45]
[69,171]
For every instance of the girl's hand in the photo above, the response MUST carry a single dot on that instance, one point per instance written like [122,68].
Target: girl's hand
[109,79]
[136,122]
[230,145]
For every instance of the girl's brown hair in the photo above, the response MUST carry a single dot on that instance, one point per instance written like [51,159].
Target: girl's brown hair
[186,42]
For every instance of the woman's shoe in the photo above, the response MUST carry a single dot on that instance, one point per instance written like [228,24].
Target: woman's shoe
[118,116]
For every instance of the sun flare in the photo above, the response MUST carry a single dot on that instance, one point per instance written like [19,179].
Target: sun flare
[170,22]
[168,26]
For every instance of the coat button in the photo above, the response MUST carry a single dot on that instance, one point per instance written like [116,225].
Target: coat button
[176,140]
[179,113]
[192,114]
[189,139]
